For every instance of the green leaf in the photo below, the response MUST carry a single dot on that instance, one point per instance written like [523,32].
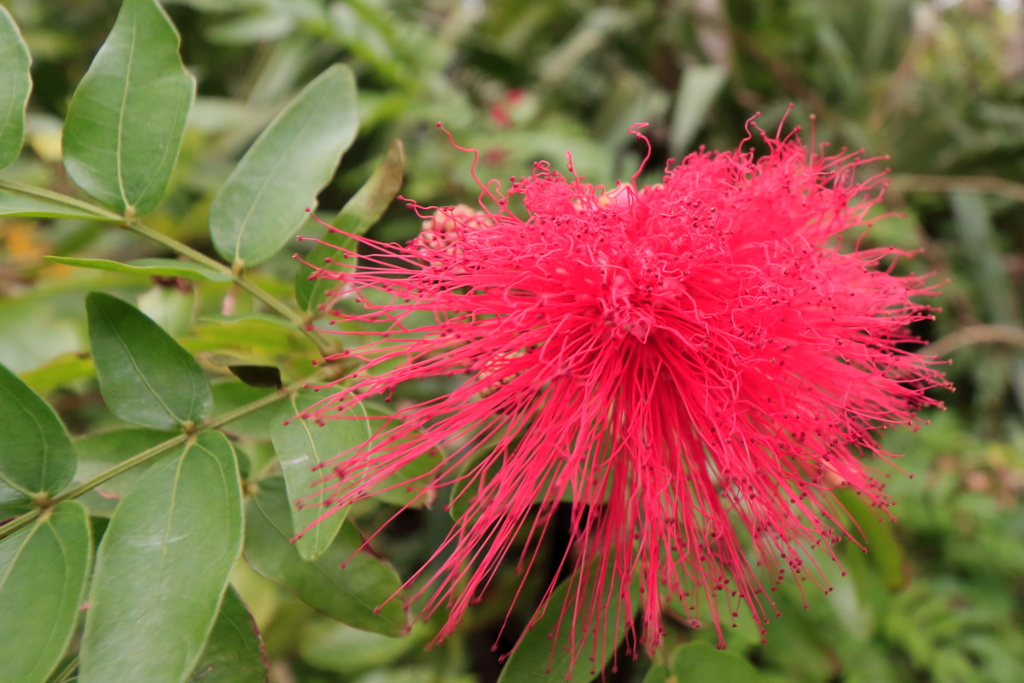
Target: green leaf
[18,199]
[466,488]
[145,376]
[234,651]
[162,567]
[168,307]
[263,202]
[63,369]
[36,455]
[256,335]
[13,504]
[356,217]
[15,84]
[163,267]
[350,593]
[543,655]
[257,459]
[97,453]
[42,580]
[127,116]
[409,486]
[877,535]
[301,445]
[262,27]
[657,674]
[12,204]
[330,646]
[698,662]
[98,505]
[699,86]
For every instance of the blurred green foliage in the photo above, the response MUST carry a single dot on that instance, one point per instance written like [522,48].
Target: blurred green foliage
[934,90]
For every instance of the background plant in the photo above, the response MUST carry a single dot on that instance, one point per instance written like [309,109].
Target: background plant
[130,419]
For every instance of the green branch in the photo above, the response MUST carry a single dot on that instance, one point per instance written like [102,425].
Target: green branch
[325,347]
[150,453]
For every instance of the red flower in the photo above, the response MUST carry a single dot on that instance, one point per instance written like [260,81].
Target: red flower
[695,364]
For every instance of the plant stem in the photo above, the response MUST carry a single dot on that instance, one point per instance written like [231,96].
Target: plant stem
[322,344]
[174,245]
[258,292]
[148,454]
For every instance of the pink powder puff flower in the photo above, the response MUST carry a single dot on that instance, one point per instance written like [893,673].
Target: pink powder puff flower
[696,365]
